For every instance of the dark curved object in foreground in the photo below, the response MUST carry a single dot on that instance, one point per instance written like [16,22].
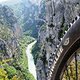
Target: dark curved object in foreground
[69,44]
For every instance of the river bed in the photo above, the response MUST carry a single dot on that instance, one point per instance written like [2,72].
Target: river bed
[31,65]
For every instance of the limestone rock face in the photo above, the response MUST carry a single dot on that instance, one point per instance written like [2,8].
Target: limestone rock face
[59,14]
[8,36]
[40,70]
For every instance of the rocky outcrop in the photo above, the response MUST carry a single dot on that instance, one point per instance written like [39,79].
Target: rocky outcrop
[59,14]
[8,37]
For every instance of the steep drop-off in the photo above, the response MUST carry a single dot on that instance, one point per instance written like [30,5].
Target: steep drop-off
[13,59]
[59,14]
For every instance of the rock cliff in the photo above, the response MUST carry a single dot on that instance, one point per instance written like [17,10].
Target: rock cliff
[8,37]
[59,14]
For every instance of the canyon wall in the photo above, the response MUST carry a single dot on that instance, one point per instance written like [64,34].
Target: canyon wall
[59,15]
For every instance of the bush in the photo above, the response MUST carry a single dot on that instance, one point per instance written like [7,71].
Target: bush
[10,70]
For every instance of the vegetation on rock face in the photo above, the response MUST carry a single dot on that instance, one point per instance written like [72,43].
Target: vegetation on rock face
[13,59]
[23,42]
[5,32]
[26,13]
[36,52]
[18,68]
[23,62]
[41,22]
[13,43]
[20,65]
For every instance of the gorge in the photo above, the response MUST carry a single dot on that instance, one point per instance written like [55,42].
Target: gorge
[30,34]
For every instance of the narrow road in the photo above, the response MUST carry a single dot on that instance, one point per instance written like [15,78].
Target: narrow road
[31,65]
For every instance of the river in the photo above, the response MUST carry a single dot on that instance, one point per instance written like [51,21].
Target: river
[31,65]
